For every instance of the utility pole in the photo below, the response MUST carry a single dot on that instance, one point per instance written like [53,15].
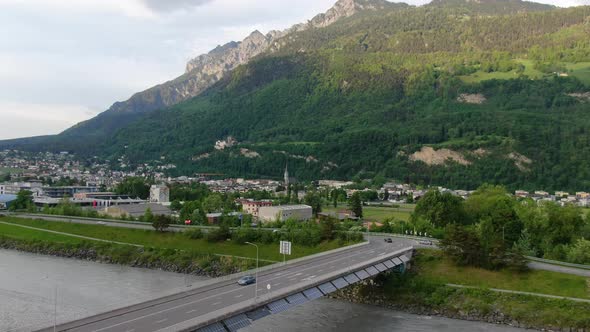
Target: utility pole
[256,283]
[55,310]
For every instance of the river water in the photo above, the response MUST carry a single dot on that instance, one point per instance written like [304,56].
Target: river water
[28,285]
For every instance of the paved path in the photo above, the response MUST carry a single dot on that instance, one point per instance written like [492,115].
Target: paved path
[105,222]
[559,268]
[221,296]
[522,293]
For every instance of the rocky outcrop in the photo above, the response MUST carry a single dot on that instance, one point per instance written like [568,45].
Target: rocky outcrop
[433,157]
[476,98]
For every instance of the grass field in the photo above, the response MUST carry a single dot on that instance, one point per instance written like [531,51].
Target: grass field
[5,170]
[425,287]
[579,70]
[380,213]
[149,238]
[433,267]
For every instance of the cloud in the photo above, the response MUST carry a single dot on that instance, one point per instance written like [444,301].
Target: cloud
[129,8]
[173,5]
[40,119]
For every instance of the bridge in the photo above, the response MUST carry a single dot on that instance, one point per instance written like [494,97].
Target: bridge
[221,305]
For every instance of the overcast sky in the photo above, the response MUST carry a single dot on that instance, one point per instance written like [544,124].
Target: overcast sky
[64,61]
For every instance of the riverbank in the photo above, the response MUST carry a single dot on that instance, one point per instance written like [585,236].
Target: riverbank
[169,260]
[424,291]
[170,251]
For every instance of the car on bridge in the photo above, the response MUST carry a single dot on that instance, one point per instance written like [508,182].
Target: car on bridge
[247,280]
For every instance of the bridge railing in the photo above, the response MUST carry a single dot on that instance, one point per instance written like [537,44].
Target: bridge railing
[265,299]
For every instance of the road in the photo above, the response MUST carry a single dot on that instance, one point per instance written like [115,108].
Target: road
[559,268]
[214,299]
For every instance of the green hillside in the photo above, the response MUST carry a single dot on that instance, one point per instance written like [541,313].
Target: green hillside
[500,84]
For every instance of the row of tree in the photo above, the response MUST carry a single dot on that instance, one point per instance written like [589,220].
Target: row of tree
[493,229]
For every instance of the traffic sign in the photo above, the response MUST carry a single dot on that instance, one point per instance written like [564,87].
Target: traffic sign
[285,248]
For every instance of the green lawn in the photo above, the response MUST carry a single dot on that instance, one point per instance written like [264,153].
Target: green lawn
[434,268]
[581,71]
[379,213]
[150,238]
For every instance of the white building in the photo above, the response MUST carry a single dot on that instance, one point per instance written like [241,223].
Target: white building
[159,194]
[14,188]
[284,212]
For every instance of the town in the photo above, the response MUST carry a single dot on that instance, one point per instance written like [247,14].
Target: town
[52,177]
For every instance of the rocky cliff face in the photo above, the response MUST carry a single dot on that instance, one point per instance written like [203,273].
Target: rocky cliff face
[207,69]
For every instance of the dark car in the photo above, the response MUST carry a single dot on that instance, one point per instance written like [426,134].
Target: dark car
[247,280]
[388,240]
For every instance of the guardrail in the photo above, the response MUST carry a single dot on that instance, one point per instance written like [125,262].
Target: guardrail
[411,237]
[224,280]
[262,300]
[560,263]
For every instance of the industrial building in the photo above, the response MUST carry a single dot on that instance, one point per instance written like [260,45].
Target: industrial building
[285,212]
[5,201]
[159,194]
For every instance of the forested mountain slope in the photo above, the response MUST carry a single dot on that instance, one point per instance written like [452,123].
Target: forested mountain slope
[454,93]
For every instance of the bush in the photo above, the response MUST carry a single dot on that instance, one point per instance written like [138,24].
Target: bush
[218,235]
[194,234]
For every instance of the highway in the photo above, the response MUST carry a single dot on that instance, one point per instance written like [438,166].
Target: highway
[215,299]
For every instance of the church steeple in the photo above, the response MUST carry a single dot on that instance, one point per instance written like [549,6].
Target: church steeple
[286,176]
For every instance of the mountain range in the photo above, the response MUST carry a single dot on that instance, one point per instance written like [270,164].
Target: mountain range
[457,92]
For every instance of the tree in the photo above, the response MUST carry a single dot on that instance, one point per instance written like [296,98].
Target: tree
[161,223]
[24,199]
[355,204]
[134,187]
[314,200]
[580,252]
[441,209]
[175,205]
[213,203]
[327,227]
[462,245]
[148,216]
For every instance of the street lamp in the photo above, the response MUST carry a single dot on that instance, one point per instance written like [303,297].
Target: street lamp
[256,283]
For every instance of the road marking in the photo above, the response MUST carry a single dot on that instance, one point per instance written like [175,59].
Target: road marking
[132,330]
[277,284]
[347,258]
[191,311]
[321,270]
[298,274]
[216,303]
[238,296]
[161,321]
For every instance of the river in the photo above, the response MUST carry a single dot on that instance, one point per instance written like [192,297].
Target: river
[28,284]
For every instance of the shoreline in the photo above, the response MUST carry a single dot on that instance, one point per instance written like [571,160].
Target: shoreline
[437,300]
[167,260]
[371,293]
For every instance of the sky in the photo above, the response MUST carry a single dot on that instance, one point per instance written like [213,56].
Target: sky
[64,61]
